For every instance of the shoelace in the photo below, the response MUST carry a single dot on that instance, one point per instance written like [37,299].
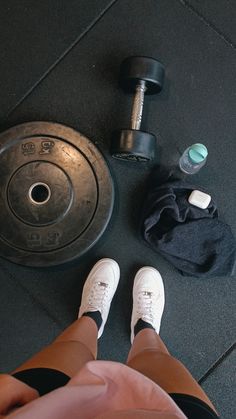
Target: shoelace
[99,294]
[145,306]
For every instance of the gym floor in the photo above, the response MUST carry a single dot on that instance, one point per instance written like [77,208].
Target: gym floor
[60,62]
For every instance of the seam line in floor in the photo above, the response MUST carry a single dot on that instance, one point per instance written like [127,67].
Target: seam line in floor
[61,57]
[32,297]
[217,363]
[224,37]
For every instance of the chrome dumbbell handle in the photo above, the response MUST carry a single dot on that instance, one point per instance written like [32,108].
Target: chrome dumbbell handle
[137,109]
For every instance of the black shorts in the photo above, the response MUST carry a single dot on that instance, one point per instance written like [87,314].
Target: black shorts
[45,380]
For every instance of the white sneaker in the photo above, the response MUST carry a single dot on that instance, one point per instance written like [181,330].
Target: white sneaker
[148,298]
[99,289]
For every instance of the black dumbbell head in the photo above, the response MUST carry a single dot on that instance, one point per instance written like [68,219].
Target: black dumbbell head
[133,145]
[134,69]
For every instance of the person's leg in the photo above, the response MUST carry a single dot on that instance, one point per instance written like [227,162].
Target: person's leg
[70,351]
[150,356]
[148,353]
[78,343]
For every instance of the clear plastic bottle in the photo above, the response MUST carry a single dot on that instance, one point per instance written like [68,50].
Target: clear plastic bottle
[193,158]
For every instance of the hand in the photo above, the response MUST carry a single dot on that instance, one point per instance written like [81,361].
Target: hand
[14,394]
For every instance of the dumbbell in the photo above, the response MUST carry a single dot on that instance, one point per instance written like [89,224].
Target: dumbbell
[139,75]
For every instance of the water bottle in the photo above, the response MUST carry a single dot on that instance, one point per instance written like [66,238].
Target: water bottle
[193,158]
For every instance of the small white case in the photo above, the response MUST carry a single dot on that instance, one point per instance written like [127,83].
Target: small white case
[199,199]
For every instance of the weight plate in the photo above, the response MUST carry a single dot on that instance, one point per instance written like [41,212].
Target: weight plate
[56,194]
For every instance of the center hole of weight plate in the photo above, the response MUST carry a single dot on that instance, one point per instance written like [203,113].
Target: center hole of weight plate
[39,193]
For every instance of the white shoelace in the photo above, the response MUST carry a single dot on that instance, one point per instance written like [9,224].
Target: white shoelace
[145,306]
[98,296]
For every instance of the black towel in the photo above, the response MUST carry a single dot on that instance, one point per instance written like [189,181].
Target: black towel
[194,240]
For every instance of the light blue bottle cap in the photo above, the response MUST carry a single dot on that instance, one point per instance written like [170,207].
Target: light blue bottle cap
[197,153]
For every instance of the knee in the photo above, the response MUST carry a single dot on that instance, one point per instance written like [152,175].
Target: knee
[153,362]
[150,357]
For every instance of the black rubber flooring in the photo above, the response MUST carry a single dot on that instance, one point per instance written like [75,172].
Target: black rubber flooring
[60,62]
